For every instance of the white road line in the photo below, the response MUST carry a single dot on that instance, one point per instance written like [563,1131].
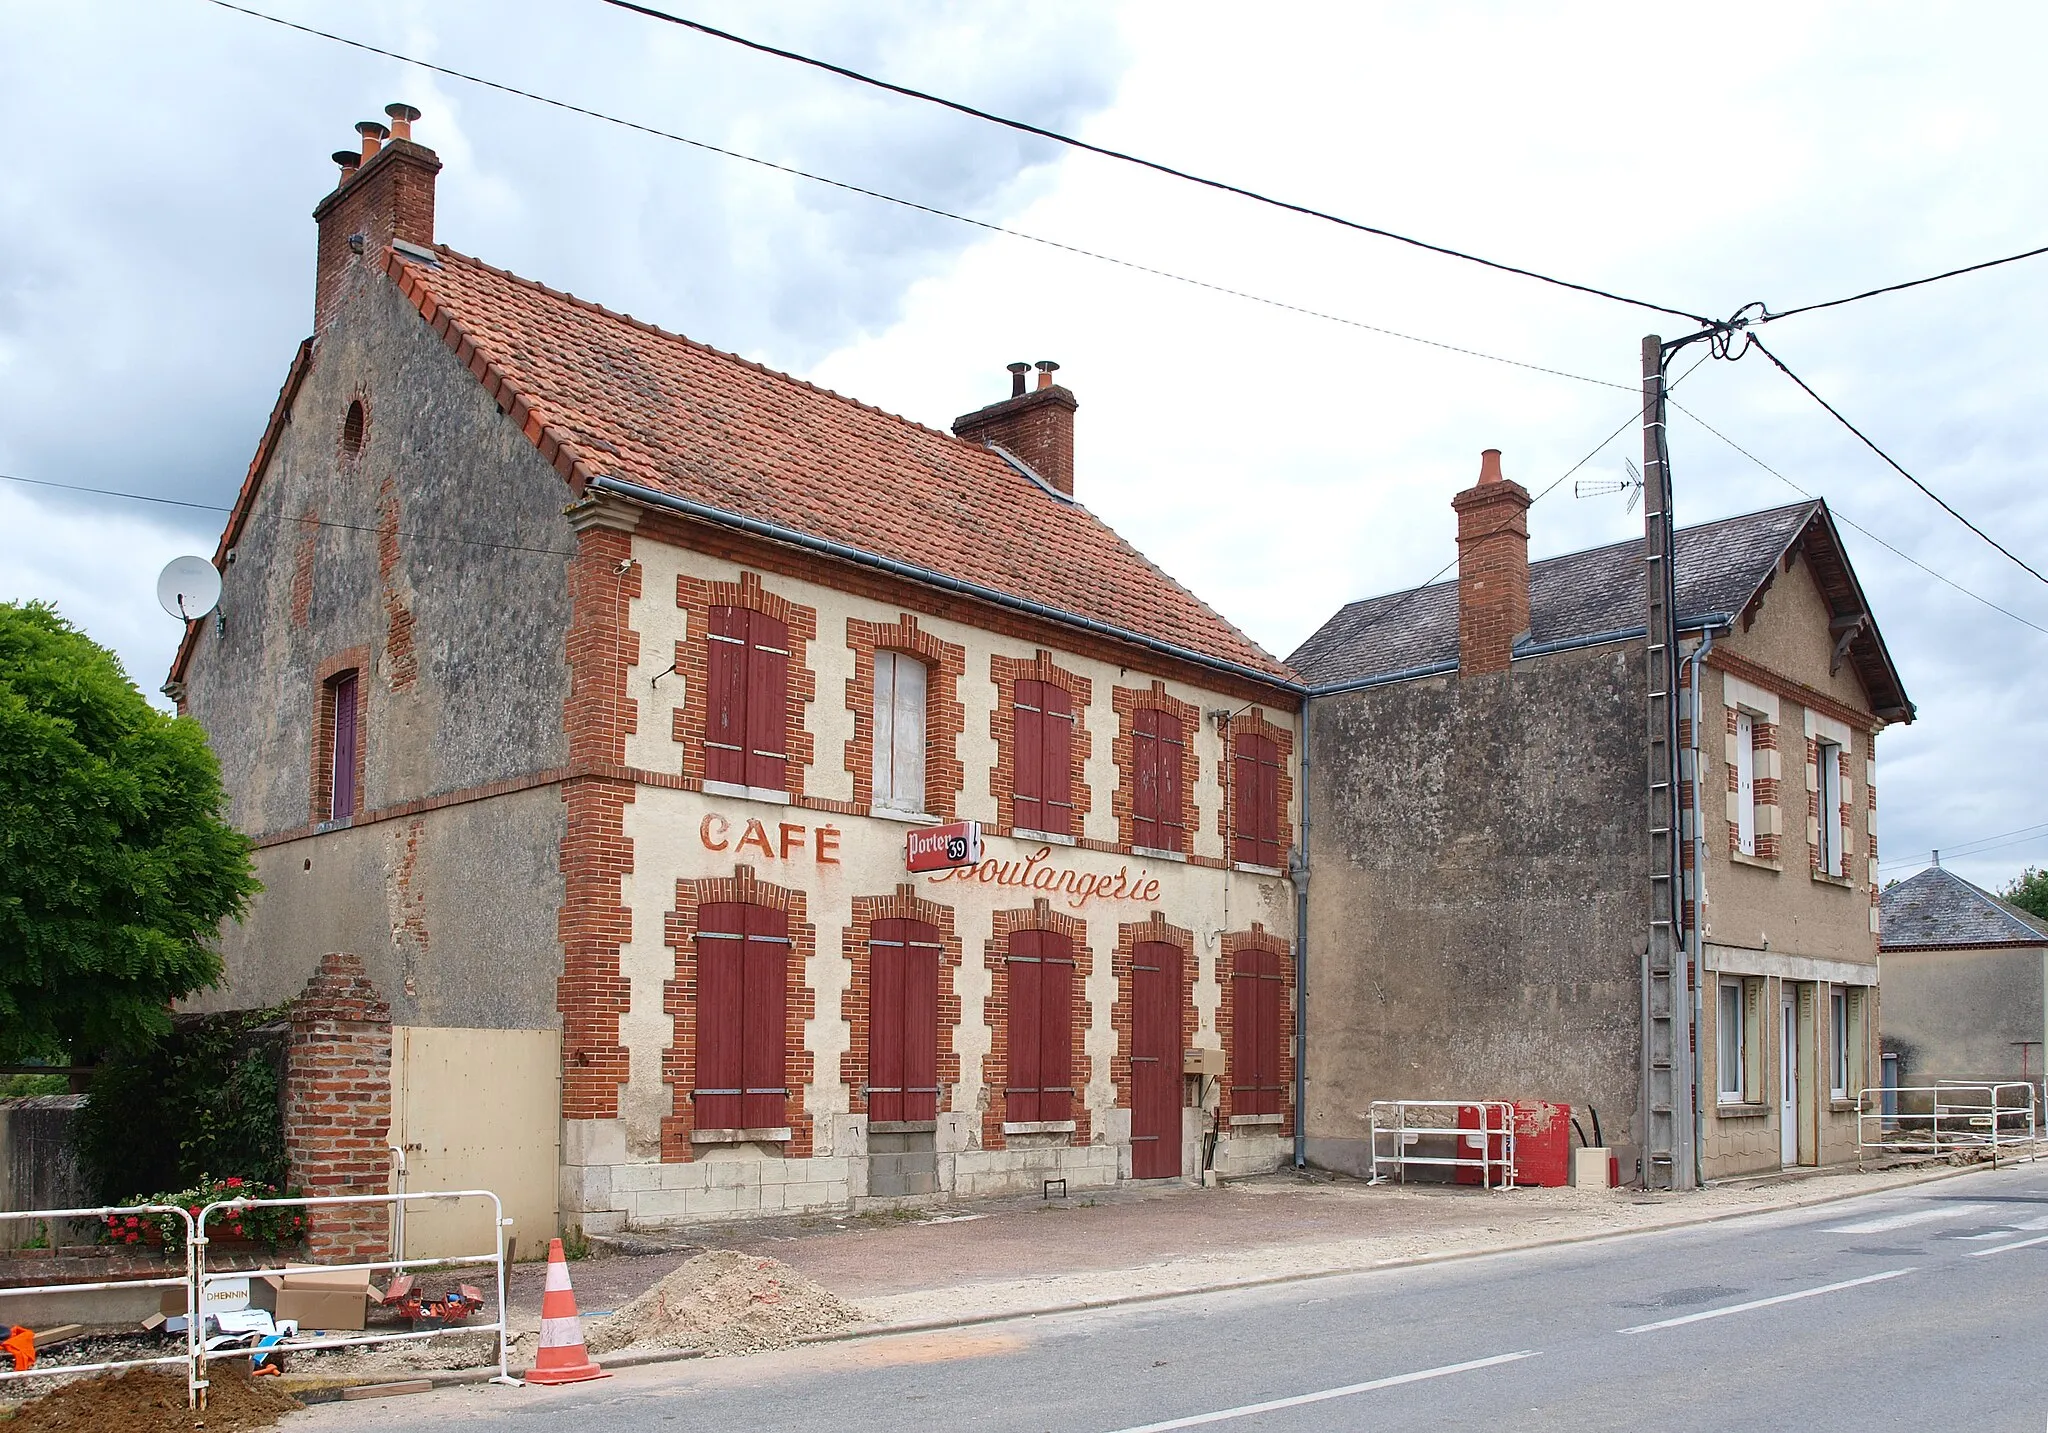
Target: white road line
[1766,1303]
[2005,1248]
[2004,1231]
[1249,1409]
[1900,1221]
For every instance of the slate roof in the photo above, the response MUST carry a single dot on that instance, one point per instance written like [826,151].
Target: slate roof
[1722,567]
[603,394]
[1938,908]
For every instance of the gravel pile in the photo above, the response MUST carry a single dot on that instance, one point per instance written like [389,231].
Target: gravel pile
[724,1302]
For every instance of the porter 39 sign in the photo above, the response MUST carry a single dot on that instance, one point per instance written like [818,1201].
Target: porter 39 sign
[940,848]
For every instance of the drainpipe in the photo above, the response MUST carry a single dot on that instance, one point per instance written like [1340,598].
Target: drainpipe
[1297,871]
[1695,945]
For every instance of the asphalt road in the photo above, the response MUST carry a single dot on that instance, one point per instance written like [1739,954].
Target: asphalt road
[1925,1308]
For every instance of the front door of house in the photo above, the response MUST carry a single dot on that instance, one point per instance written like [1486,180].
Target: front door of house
[1155,1060]
[1788,1076]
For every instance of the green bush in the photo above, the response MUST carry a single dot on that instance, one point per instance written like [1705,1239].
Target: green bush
[206,1100]
[15,1087]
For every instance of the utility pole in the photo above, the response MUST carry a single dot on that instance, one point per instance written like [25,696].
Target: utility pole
[1669,1051]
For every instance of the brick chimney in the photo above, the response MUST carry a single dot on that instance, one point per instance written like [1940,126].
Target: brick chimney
[386,192]
[1037,426]
[1493,569]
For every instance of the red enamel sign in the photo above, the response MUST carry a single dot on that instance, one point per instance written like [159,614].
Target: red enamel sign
[939,848]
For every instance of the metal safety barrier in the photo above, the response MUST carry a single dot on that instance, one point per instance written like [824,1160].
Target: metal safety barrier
[188,1281]
[1488,1146]
[495,1258]
[1945,1117]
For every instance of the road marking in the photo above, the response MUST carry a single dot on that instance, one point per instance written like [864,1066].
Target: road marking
[2004,1248]
[1250,1409]
[1900,1221]
[1766,1303]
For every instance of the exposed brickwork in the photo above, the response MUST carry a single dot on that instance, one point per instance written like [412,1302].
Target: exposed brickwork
[996,1013]
[321,787]
[401,662]
[409,934]
[679,1001]
[1256,938]
[1493,569]
[1037,426]
[1129,936]
[945,716]
[1127,703]
[1812,698]
[1006,672]
[696,597]
[337,1107]
[854,1005]
[1254,723]
[305,552]
[390,197]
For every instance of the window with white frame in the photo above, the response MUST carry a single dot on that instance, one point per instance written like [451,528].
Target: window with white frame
[1730,1043]
[1828,823]
[899,732]
[1745,783]
[1839,1012]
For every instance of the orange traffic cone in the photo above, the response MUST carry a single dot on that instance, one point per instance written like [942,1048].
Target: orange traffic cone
[562,1357]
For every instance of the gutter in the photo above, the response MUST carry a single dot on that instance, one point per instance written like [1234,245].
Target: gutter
[930,578]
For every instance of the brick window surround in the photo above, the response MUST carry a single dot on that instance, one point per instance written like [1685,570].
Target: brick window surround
[696,597]
[354,661]
[679,1001]
[903,904]
[1256,939]
[945,716]
[1845,806]
[1254,723]
[1129,936]
[996,1011]
[1765,789]
[1006,672]
[1128,702]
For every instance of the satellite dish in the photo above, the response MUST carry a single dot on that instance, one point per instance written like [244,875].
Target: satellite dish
[188,588]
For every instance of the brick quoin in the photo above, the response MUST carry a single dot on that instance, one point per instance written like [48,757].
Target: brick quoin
[995,1075]
[854,1003]
[945,718]
[1006,672]
[1257,938]
[1129,936]
[679,1002]
[337,1116]
[696,597]
[401,661]
[1128,702]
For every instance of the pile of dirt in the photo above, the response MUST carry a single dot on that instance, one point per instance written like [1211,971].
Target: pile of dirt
[149,1399]
[724,1302]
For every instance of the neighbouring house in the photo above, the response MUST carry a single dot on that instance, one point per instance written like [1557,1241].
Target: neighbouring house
[1965,983]
[1477,765]
[580,684]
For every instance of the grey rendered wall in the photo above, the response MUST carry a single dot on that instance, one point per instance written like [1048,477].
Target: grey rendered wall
[1960,1014]
[1478,904]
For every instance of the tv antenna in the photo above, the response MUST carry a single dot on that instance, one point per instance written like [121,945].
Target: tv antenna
[1602,487]
[188,588]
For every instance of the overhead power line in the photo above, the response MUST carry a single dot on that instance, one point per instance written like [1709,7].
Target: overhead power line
[2009,554]
[1909,284]
[1024,127]
[1974,848]
[911,204]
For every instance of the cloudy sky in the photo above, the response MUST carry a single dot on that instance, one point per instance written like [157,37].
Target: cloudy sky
[156,267]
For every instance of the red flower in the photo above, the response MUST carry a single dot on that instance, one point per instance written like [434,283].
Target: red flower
[133,1222]
[233,1182]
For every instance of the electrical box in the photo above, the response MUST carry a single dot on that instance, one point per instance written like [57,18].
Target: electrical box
[1204,1061]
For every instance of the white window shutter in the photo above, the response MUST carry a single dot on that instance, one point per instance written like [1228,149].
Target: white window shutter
[1745,783]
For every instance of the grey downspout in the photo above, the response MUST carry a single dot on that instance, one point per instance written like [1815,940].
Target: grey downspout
[1695,943]
[1298,873]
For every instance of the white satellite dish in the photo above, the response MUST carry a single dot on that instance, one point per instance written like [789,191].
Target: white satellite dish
[188,588]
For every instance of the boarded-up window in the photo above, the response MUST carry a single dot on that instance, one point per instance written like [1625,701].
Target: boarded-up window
[899,731]
[742,1039]
[1041,1027]
[903,1021]
[1157,746]
[1042,727]
[1256,801]
[1258,1000]
[341,785]
[746,679]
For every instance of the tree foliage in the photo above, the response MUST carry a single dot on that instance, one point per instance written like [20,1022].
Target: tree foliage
[116,867]
[2029,891]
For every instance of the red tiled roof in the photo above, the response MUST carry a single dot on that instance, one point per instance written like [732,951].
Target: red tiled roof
[604,394]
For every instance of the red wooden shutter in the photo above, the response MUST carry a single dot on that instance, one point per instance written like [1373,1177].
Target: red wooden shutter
[1056,1028]
[1022,1082]
[886,1010]
[721,957]
[725,696]
[342,788]
[920,1021]
[1145,794]
[1257,797]
[1269,1034]
[1244,1037]
[767,702]
[1167,751]
[765,1042]
[1027,739]
[1056,766]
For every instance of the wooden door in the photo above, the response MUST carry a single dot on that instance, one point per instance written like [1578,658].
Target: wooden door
[903,1021]
[1155,1061]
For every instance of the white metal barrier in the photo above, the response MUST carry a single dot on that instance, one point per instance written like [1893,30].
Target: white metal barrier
[495,1258]
[1959,1115]
[187,1281]
[1488,1147]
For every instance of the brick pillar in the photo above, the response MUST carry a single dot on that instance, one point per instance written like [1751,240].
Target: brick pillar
[1493,569]
[338,1107]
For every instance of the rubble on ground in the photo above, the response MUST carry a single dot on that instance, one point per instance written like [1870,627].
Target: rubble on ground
[148,1399]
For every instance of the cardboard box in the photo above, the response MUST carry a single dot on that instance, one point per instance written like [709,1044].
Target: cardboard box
[316,1298]
[223,1296]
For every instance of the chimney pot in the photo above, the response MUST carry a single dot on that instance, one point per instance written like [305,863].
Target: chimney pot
[402,116]
[1017,372]
[1489,466]
[1036,427]
[349,160]
[374,135]
[1046,369]
[1493,569]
